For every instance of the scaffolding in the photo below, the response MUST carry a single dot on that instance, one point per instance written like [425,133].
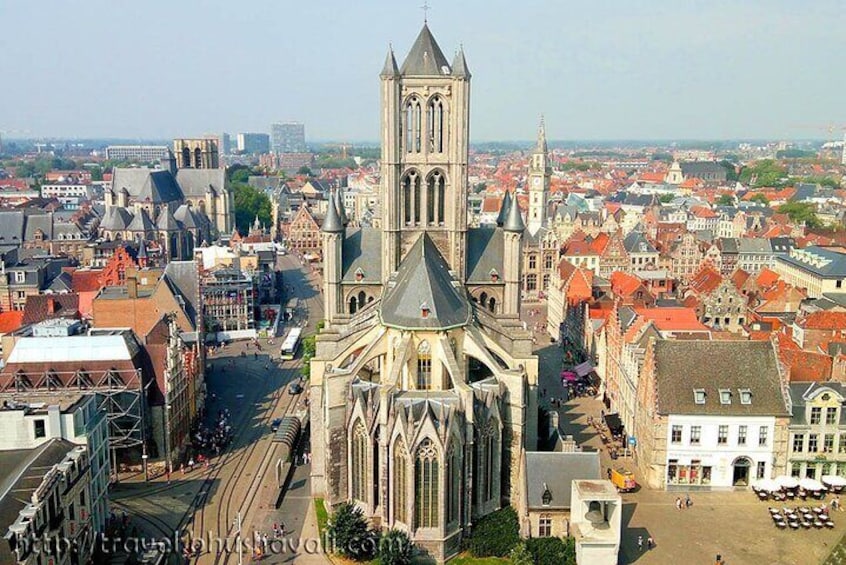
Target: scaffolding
[119,394]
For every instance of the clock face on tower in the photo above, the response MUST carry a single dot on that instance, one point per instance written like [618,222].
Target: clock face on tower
[536,181]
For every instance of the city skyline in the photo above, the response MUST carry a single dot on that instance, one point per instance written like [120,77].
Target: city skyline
[653,71]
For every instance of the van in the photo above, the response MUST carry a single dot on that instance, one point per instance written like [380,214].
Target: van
[622,479]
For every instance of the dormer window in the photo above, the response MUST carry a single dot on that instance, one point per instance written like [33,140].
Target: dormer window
[359,274]
[424,310]
[725,396]
[494,275]
[745,396]
[699,395]
[546,497]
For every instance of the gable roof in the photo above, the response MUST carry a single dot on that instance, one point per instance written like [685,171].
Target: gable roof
[423,280]
[42,307]
[425,57]
[362,249]
[558,470]
[683,366]
[11,321]
[484,253]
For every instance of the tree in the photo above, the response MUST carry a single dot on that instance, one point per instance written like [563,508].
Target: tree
[766,172]
[249,203]
[304,170]
[309,349]
[760,198]
[725,200]
[801,212]
[666,198]
[349,534]
[731,170]
[521,555]
[552,551]
[395,548]
[496,534]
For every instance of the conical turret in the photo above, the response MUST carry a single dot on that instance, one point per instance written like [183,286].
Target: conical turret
[390,69]
[503,209]
[339,204]
[459,65]
[332,223]
[514,221]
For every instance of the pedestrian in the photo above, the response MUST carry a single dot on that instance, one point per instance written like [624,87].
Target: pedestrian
[678,503]
[687,502]
[650,543]
[609,473]
[640,543]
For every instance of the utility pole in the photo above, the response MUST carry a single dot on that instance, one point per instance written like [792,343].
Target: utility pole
[237,522]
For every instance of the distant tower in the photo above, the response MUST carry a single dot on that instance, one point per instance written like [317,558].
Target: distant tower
[539,173]
[425,134]
[674,175]
[843,157]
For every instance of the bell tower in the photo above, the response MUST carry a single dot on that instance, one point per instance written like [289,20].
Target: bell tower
[538,180]
[425,133]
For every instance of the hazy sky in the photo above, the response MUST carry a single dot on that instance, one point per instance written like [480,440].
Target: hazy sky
[597,69]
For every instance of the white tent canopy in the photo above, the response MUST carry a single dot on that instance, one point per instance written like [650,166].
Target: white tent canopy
[834,481]
[787,482]
[768,485]
[811,484]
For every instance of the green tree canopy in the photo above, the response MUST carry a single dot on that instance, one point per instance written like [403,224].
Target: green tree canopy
[349,533]
[249,203]
[395,548]
[801,212]
[552,551]
[766,172]
[666,198]
[496,534]
[304,170]
[725,200]
[760,198]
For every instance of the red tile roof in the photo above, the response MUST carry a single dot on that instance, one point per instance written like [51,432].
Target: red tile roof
[824,320]
[705,280]
[805,366]
[624,284]
[702,212]
[739,278]
[672,319]
[767,278]
[86,280]
[10,321]
[48,306]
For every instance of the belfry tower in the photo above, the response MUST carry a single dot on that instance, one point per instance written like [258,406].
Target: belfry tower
[425,133]
[538,180]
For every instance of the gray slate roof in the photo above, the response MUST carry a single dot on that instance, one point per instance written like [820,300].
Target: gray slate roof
[831,263]
[11,227]
[484,252]
[423,280]
[558,471]
[682,366]
[196,182]
[181,276]
[425,57]
[754,245]
[141,222]
[43,222]
[636,242]
[362,249]
[166,221]
[117,219]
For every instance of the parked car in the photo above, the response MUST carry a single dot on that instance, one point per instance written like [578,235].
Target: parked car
[274,425]
[295,388]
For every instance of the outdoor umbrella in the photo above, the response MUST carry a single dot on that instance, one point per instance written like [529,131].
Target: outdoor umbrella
[811,484]
[834,481]
[786,482]
[768,485]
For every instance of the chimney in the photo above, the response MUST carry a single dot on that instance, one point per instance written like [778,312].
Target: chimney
[51,305]
[132,287]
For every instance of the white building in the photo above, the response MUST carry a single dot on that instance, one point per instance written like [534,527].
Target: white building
[596,522]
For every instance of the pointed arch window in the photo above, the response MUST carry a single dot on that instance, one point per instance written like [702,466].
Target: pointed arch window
[453,484]
[400,482]
[186,157]
[198,158]
[435,194]
[436,121]
[486,454]
[358,463]
[411,197]
[424,366]
[426,485]
[413,125]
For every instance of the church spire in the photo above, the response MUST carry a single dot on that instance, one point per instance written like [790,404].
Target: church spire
[425,57]
[542,147]
[514,221]
[332,223]
[459,65]
[503,209]
[339,204]
[390,69]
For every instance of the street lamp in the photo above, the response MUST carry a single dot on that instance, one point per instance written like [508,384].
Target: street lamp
[237,523]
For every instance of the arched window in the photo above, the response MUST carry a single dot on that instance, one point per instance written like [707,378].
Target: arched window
[486,454]
[435,193]
[424,366]
[361,299]
[413,122]
[411,197]
[436,121]
[186,157]
[358,463]
[492,304]
[426,485]
[198,158]
[400,482]
[483,298]
[453,484]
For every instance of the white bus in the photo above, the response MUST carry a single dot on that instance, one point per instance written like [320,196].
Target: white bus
[291,344]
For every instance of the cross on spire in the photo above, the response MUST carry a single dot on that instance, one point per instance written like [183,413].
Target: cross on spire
[425,7]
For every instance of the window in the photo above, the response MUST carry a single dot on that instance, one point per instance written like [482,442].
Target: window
[400,482]
[816,415]
[722,435]
[798,443]
[725,396]
[699,395]
[531,282]
[745,396]
[545,526]
[812,443]
[695,435]
[533,261]
[796,470]
[763,432]
[486,453]
[424,366]
[828,443]
[841,446]
[426,485]
[831,415]
[20,276]
[676,434]
[762,468]
[547,261]
[741,435]
[358,469]
[40,429]
[453,485]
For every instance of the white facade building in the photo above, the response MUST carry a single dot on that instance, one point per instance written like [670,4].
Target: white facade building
[719,451]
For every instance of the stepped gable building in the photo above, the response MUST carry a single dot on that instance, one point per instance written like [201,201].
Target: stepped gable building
[178,208]
[423,387]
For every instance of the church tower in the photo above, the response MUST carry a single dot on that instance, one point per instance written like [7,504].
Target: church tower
[538,179]
[425,133]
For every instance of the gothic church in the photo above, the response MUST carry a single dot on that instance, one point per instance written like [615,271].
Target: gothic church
[423,387]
